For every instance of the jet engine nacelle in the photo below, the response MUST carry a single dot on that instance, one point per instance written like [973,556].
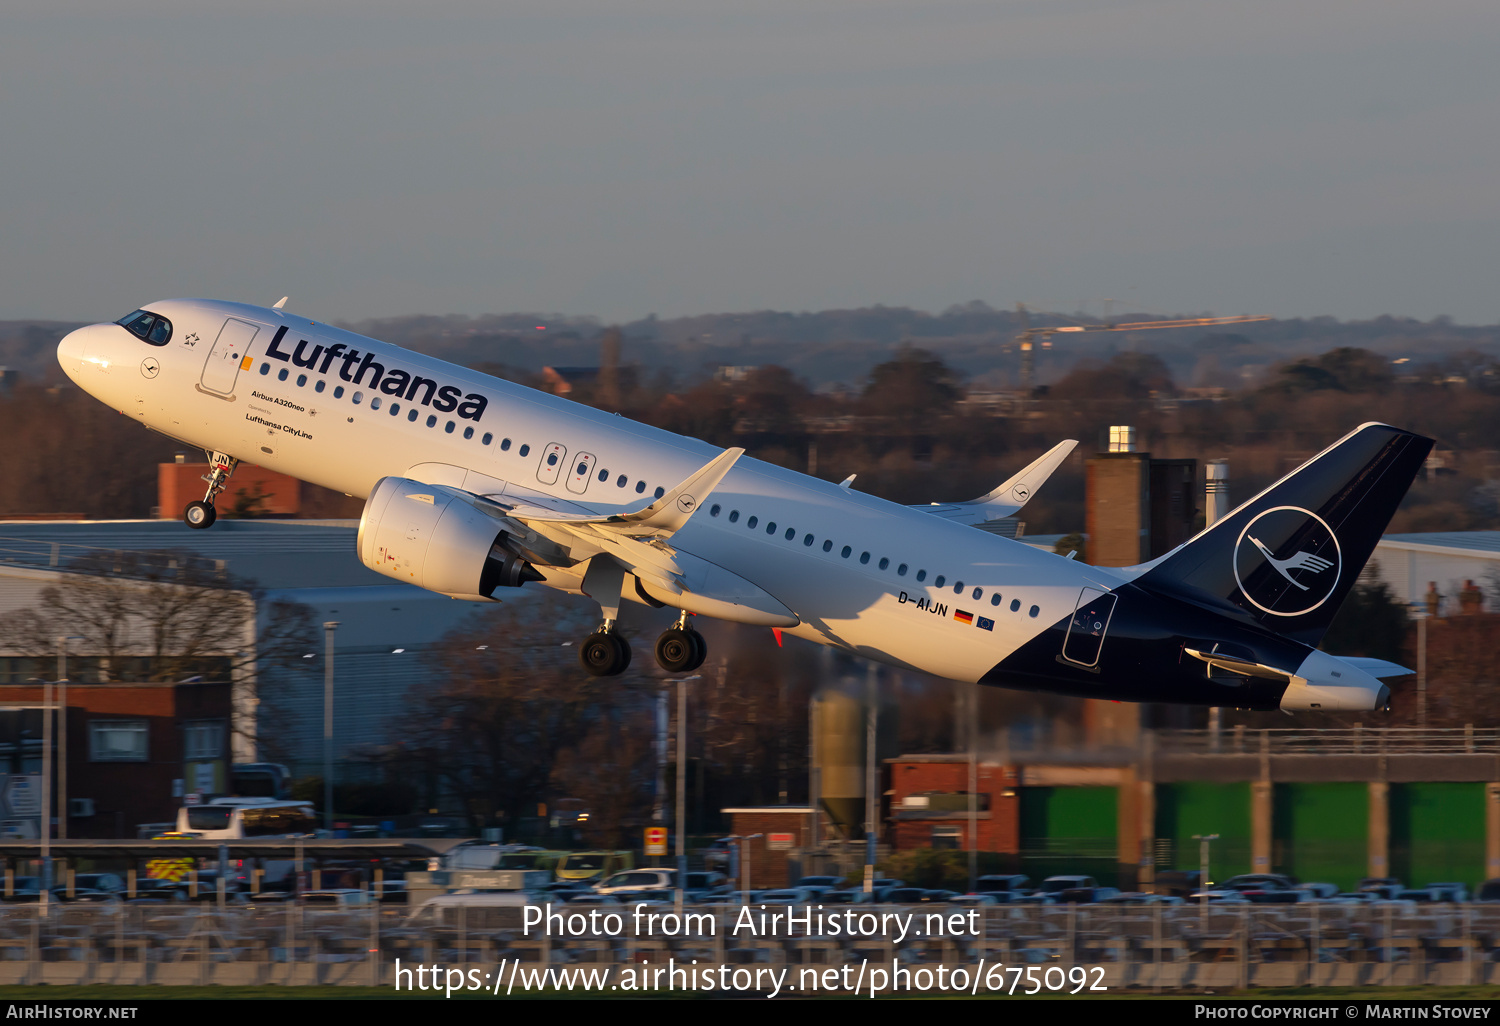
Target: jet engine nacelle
[430,536]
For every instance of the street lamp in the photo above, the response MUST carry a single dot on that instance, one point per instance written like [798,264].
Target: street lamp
[1420,612]
[1203,842]
[328,628]
[682,690]
[46,804]
[740,866]
[62,734]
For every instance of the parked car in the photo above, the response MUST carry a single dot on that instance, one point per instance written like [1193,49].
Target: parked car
[1260,881]
[821,884]
[1180,882]
[970,900]
[716,855]
[637,880]
[706,885]
[1056,884]
[1449,891]
[1002,882]
[1489,891]
[1084,895]
[1141,898]
[593,865]
[1383,885]
[336,898]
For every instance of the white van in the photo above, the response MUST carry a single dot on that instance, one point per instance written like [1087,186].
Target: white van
[477,909]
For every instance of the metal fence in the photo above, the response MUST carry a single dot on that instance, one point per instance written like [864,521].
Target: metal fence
[1155,947]
[1357,740]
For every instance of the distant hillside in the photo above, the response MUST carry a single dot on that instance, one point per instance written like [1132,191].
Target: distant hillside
[841,346]
[836,347]
[29,347]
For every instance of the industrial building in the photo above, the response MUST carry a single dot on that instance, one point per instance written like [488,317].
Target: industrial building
[232,708]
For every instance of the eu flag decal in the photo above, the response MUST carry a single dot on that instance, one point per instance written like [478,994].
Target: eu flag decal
[984,623]
[963,617]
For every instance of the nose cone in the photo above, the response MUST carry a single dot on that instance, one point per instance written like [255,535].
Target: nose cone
[70,352]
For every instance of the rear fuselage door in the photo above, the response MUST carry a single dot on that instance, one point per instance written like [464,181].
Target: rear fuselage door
[582,467]
[551,464]
[1086,630]
[229,350]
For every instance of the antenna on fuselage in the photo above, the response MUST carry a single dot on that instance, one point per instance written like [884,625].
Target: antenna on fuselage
[281,302]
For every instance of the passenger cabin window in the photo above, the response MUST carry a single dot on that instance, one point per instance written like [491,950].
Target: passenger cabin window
[148,327]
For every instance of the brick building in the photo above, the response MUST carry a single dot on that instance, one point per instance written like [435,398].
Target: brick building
[786,832]
[929,804]
[123,754]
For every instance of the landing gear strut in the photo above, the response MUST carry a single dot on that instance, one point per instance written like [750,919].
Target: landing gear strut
[604,653]
[200,515]
[680,648]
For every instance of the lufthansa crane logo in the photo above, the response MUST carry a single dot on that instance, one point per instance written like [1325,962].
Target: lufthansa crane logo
[1287,561]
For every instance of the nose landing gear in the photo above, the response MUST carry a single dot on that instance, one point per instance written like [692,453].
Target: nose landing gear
[680,648]
[201,515]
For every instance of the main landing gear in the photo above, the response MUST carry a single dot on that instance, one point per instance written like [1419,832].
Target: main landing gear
[200,515]
[604,653]
[680,648]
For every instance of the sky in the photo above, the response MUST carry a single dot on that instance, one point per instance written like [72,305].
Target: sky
[593,157]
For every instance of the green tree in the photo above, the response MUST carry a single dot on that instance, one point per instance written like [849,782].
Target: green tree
[1371,622]
[911,389]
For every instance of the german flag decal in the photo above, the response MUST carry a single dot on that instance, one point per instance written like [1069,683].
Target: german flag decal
[963,617]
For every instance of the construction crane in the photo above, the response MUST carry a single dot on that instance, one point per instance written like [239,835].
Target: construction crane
[1029,336]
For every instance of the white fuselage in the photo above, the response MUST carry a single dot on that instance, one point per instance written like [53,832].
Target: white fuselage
[897,595]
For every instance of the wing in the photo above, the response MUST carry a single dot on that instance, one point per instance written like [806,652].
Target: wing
[660,519]
[1009,497]
[641,543]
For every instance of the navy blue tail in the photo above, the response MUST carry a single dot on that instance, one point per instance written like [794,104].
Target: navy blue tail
[1288,557]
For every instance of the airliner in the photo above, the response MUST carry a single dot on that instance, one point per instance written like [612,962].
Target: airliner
[474,486]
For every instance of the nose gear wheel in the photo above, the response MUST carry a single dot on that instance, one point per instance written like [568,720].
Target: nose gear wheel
[201,515]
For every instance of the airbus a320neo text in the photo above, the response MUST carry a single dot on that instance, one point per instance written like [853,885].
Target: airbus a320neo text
[475,485]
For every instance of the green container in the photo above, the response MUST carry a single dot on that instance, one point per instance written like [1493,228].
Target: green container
[1185,809]
[1437,833]
[1320,832]
[1070,830]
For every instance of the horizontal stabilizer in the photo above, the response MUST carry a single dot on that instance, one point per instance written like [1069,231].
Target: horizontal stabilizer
[1375,667]
[1009,497]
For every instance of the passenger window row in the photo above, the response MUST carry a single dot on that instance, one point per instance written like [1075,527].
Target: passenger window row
[847,551]
[412,414]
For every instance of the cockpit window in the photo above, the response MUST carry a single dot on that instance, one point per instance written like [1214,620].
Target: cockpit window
[148,327]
